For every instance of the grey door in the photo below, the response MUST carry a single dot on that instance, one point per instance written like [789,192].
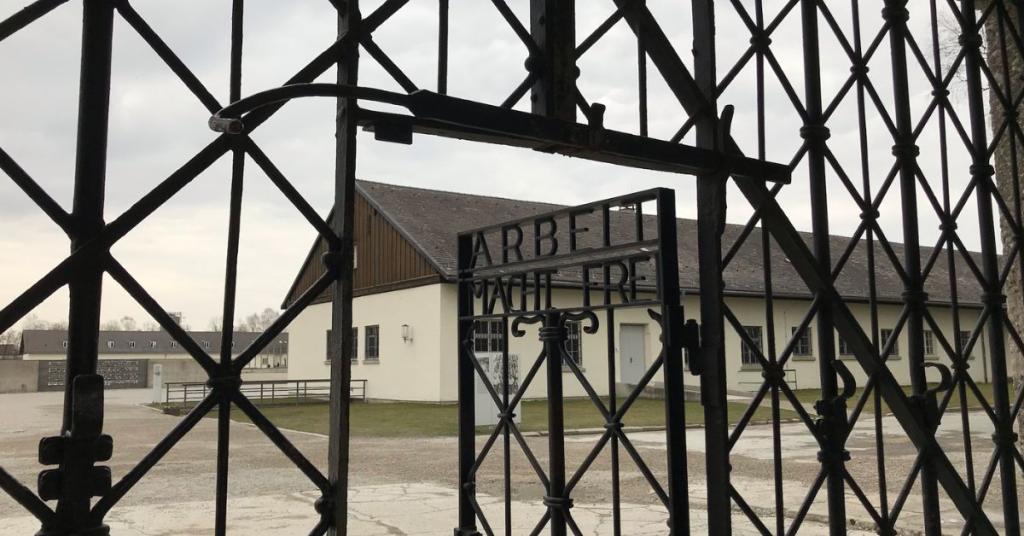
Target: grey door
[632,349]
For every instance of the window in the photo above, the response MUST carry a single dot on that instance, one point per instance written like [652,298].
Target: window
[748,355]
[355,344]
[488,336]
[174,344]
[965,338]
[64,344]
[372,334]
[929,343]
[844,349]
[886,335]
[802,343]
[574,342]
[131,344]
[152,344]
[206,344]
[110,344]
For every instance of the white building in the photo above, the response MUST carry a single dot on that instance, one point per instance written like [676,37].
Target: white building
[404,312]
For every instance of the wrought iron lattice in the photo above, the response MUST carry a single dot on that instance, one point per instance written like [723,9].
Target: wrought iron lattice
[984,126]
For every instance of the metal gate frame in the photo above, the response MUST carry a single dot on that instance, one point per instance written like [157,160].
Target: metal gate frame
[550,43]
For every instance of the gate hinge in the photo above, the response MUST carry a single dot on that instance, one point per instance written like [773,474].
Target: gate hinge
[691,345]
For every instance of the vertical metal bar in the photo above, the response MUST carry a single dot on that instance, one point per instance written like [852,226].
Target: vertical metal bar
[815,134]
[340,260]
[230,280]
[86,285]
[442,47]
[672,339]
[467,386]
[553,26]
[905,150]
[994,299]
[641,71]
[613,407]
[710,224]
[553,335]
[506,439]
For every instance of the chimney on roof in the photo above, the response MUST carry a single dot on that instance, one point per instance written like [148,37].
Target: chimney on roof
[176,316]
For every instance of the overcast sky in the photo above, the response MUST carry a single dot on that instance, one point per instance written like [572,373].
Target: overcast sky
[156,125]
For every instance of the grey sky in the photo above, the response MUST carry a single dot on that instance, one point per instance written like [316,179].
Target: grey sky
[156,125]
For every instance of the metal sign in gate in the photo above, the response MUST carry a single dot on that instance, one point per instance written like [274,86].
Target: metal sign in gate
[576,272]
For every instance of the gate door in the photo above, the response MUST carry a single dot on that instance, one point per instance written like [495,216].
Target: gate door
[557,283]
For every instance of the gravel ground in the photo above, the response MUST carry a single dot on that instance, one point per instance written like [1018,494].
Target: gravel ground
[258,469]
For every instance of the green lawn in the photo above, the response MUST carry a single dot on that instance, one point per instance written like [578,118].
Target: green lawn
[405,419]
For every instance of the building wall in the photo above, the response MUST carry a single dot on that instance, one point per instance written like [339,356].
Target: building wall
[405,370]
[426,370]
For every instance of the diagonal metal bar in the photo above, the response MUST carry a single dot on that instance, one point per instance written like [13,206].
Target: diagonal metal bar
[387,63]
[26,16]
[26,498]
[386,10]
[35,192]
[128,481]
[191,81]
[682,84]
[277,177]
[281,441]
[150,305]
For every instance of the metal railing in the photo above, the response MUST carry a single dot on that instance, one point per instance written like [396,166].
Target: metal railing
[275,391]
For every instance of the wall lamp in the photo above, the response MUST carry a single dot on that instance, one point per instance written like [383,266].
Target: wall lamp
[406,333]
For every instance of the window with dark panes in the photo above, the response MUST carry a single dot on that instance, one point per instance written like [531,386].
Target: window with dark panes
[802,343]
[929,343]
[372,343]
[747,354]
[488,336]
[574,342]
[886,335]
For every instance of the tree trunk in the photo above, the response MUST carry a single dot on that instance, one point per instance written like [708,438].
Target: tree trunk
[1005,166]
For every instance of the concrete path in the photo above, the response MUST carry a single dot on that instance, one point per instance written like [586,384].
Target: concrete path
[407,486]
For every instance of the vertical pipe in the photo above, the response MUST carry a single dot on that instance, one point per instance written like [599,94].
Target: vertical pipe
[553,26]
[86,284]
[994,299]
[815,134]
[340,261]
[553,335]
[230,279]
[467,409]
[672,340]
[710,224]
[905,150]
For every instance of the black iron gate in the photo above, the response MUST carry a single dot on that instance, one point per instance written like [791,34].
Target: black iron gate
[949,152]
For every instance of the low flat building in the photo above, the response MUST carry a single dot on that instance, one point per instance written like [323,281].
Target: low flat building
[404,311]
[127,358]
[47,344]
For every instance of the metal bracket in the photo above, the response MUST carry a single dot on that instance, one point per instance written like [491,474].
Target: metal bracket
[691,343]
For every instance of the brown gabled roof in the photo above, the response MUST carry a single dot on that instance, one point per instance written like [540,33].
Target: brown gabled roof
[431,220]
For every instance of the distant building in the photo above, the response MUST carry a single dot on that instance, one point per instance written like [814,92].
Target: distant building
[405,306]
[10,351]
[48,344]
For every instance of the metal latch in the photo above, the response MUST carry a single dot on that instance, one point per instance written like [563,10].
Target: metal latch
[691,345]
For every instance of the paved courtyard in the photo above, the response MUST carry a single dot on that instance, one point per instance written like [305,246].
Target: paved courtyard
[407,486]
